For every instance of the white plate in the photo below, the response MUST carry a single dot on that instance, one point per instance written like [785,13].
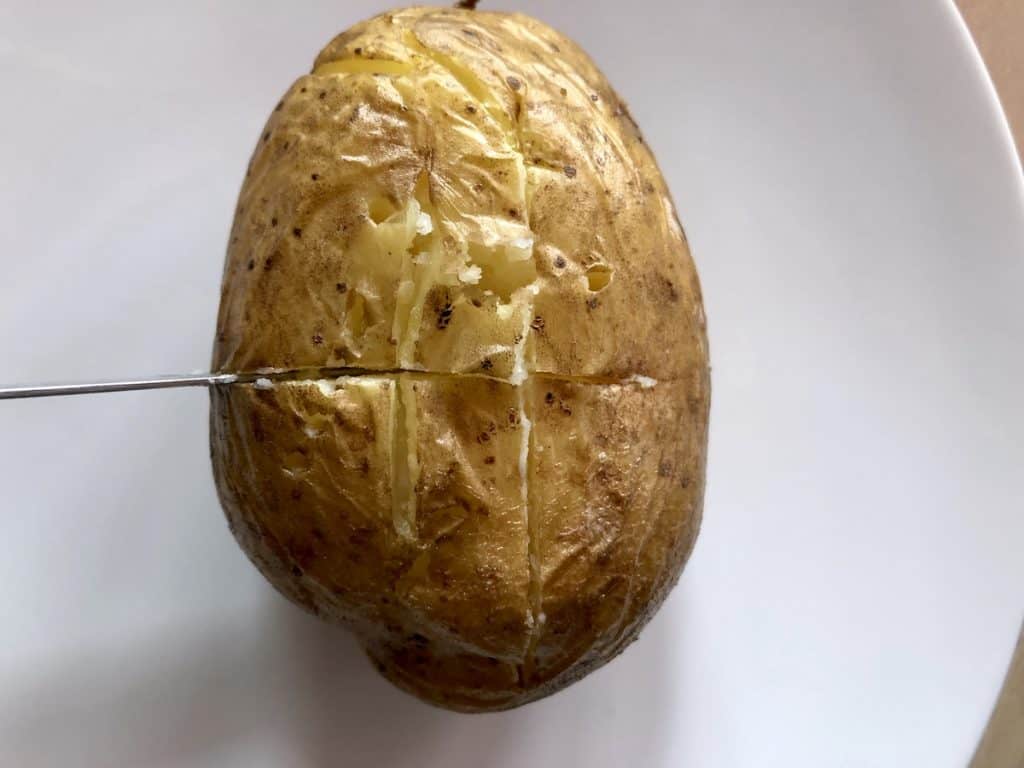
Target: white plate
[849,188]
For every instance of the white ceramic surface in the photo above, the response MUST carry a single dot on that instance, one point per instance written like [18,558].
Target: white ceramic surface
[850,193]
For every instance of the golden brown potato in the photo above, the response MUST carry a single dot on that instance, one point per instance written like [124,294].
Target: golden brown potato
[455,207]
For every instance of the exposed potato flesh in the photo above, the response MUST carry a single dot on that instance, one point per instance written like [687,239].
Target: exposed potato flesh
[460,205]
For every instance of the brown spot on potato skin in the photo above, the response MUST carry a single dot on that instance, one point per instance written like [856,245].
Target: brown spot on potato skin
[444,315]
[671,294]
[570,171]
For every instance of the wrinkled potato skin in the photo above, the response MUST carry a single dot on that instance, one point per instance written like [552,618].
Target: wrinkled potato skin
[504,592]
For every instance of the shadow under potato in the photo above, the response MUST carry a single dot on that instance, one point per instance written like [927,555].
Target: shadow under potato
[289,689]
[346,714]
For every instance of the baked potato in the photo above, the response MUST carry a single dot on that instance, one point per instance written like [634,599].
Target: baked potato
[484,447]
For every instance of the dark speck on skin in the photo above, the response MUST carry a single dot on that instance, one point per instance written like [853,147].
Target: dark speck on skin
[358,51]
[593,97]
[266,137]
[273,222]
[444,316]
[314,176]
[341,287]
[514,83]
[549,398]
[670,288]
[489,460]
[592,303]
[251,265]
[559,262]
[322,95]
[570,171]
[297,232]
[563,91]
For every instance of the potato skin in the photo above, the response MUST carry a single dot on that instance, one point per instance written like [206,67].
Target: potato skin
[617,482]
[305,479]
[503,588]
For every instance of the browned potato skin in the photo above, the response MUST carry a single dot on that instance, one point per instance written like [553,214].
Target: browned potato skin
[616,471]
[617,481]
[305,480]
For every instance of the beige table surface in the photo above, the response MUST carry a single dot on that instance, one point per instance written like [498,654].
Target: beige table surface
[998,29]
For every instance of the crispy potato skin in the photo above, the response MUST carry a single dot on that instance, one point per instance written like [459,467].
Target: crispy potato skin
[400,504]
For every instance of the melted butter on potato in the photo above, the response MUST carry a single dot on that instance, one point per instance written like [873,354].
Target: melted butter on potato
[460,202]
